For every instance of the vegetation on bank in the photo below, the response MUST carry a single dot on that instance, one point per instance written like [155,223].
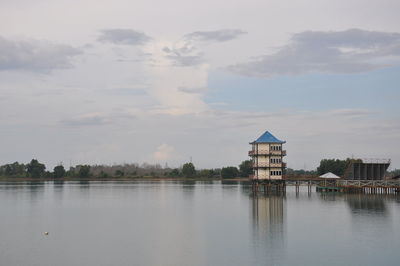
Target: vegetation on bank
[35,169]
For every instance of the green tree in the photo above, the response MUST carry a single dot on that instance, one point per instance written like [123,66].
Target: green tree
[35,169]
[14,169]
[208,173]
[188,170]
[300,172]
[59,171]
[335,166]
[174,173]
[395,172]
[229,172]
[71,172]
[84,171]
[48,174]
[119,173]
[246,168]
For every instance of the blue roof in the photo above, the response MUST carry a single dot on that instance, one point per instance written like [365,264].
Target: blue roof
[268,138]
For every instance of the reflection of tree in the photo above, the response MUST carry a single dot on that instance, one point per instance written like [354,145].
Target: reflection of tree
[84,184]
[188,188]
[370,211]
[58,184]
[268,213]
[35,188]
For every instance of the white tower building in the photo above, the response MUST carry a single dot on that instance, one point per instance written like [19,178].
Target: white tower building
[267,156]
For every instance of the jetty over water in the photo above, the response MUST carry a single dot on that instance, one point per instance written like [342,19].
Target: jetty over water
[338,185]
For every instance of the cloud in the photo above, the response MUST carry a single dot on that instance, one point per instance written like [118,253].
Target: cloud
[123,36]
[352,113]
[216,36]
[183,54]
[197,90]
[35,55]
[87,120]
[126,91]
[349,51]
[164,152]
[117,115]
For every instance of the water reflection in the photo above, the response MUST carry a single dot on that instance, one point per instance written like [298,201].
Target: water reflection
[84,184]
[367,204]
[268,216]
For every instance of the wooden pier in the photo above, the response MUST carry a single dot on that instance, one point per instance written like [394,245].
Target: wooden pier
[345,186]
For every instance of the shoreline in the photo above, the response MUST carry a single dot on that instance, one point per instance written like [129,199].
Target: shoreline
[145,178]
[154,179]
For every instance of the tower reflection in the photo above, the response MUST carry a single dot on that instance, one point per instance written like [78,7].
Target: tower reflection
[268,211]
[268,216]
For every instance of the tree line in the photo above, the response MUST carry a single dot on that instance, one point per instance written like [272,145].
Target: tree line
[36,169]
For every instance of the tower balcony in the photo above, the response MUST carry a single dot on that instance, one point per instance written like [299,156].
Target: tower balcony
[268,165]
[282,152]
[266,152]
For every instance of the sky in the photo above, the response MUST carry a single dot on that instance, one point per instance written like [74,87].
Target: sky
[106,82]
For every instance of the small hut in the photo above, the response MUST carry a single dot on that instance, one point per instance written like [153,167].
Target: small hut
[329,175]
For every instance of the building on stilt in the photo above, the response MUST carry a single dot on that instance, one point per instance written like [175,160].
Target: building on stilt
[267,157]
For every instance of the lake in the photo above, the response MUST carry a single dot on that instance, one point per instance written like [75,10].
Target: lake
[192,223]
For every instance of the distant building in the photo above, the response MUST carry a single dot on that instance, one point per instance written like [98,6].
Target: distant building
[267,157]
[367,169]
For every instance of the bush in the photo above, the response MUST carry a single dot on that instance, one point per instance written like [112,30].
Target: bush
[188,170]
[36,169]
[59,171]
[84,171]
[229,172]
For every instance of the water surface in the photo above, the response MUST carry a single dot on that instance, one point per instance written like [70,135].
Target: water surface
[192,223]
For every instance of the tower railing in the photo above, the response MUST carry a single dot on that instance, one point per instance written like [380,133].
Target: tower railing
[267,164]
[267,152]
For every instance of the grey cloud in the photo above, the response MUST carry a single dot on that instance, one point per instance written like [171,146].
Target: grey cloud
[33,55]
[95,120]
[217,35]
[349,51]
[185,60]
[186,55]
[123,36]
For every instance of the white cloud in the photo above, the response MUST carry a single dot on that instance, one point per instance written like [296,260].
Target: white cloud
[166,82]
[164,152]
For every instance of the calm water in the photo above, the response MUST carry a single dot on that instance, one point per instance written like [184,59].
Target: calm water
[181,223]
